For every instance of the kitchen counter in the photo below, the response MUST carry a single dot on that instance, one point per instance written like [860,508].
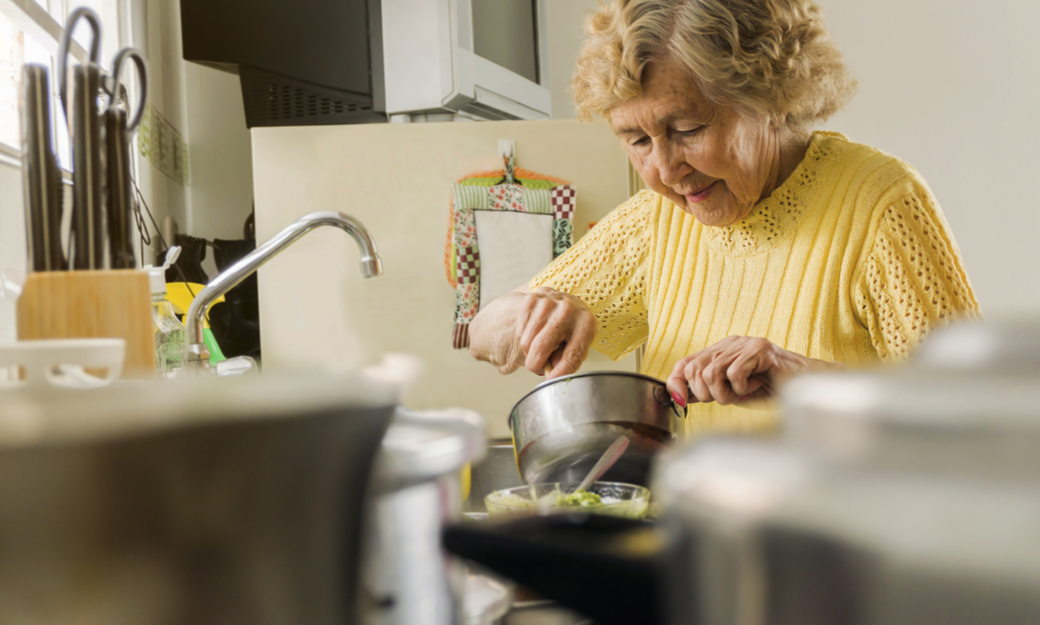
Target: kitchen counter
[496,472]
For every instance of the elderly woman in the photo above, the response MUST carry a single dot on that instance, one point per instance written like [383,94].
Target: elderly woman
[762,249]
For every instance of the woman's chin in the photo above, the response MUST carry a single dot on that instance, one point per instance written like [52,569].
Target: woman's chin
[717,214]
[710,212]
[710,218]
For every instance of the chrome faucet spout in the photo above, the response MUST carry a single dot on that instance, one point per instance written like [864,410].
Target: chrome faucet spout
[371,266]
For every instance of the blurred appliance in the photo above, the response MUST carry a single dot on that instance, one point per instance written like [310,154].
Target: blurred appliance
[201,501]
[898,497]
[313,62]
[408,579]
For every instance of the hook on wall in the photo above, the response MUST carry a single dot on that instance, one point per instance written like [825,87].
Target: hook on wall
[506,148]
[507,152]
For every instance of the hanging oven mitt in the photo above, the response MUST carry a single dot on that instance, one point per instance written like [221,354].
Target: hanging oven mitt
[522,221]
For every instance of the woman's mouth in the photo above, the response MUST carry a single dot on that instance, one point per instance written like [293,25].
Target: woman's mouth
[700,196]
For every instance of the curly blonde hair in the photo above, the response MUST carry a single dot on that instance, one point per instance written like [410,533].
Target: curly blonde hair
[769,58]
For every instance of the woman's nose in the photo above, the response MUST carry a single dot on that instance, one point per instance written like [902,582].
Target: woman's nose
[670,164]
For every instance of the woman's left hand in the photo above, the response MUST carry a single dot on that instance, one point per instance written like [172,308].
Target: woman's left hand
[737,369]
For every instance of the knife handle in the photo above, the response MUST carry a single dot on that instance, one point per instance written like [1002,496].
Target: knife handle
[41,176]
[87,212]
[117,166]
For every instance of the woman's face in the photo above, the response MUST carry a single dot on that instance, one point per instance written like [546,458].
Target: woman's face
[708,160]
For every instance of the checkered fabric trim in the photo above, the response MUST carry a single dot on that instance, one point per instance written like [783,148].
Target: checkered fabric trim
[563,201]
[537,196]
[468,268]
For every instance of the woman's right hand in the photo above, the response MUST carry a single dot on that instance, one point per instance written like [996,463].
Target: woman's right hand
[556,328]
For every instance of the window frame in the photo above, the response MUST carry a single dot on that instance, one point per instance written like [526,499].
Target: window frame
[36,22]
[10,155]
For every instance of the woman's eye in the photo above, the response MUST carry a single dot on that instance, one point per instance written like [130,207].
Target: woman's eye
[641,141]
[690,132]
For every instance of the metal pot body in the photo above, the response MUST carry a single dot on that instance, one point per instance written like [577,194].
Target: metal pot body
[247,521]
[562,427]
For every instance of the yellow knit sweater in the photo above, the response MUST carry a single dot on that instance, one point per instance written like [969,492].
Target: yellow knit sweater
[849,260]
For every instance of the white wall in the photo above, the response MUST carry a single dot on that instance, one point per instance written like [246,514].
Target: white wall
[566,34]
[205,106]
[953,88]
[219,150]
[162,49]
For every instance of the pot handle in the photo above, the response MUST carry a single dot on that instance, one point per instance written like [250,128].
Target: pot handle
[611,569]
[663,398]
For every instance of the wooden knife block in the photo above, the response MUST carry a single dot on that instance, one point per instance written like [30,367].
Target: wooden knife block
[92,304]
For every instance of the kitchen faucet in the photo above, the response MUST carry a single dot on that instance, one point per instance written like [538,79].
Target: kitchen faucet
[371,266]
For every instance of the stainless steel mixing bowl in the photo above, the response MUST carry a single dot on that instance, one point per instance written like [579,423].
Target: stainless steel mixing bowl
[564,425]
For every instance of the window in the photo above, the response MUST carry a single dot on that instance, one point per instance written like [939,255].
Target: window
[29,33]
[12,57]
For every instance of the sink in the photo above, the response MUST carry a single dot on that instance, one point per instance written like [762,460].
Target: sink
[497,471]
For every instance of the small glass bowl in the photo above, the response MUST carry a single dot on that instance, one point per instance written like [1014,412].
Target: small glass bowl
[622,500]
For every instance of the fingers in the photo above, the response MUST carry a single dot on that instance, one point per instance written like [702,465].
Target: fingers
[556,328]
[534,310]
[540,314]
[547,337]
[568,358]
[694,378]
[733,370]
[677,384]
[756,390]
[714,377]
[749,358]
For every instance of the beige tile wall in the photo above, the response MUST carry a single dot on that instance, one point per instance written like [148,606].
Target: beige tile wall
[315,308]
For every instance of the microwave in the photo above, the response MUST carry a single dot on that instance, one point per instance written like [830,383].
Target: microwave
[314,62]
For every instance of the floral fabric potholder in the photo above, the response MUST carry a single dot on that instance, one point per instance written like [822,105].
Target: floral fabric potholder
[517,220]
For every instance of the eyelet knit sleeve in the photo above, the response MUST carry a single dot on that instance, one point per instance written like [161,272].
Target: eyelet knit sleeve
[607,269]
[913,279]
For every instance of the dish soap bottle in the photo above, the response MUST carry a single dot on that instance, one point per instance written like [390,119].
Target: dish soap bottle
[170,351]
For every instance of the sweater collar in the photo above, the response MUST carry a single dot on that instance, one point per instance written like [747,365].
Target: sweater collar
[777,216]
